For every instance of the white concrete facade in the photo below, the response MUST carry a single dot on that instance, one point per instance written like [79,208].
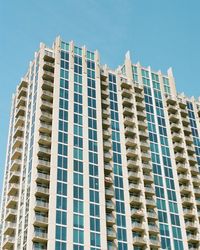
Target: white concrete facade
[128,179]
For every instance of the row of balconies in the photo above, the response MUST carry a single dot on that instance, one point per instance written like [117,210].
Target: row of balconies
[107,145]
[17,143]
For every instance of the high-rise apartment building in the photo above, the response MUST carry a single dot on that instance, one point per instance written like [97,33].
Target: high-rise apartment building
[100,158]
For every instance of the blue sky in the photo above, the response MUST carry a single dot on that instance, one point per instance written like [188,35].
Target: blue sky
[158,33]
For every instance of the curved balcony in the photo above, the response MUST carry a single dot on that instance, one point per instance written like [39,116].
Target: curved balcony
[22,92]
[137,213]
[48,76]
[47,85]
[111,233]
[129,121]
[126,93]
[10,228]
[43,178]
[131,152]
[139,240]
[124,83]
[11,214]
[40,221]
[15,165]
[46,117]
[134,187]
[110,206]
[9,242]
[139,96]
[44,152]
[137,226]
[130,142]
[43,165]
[41,206]
[106,134]
[44,140]
[107,156]
[130,131]
[133,163]
[128,111]
[110,219]
[14,177]
[19,122]
[42,191]
[109,193]
[135,200]
[12,202]
[40,236]
[17,153]
[108,168]
[48,66]
[13,189]
[105,103]
[133,175]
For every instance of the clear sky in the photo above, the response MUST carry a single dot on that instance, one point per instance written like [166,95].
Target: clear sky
[160,33]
